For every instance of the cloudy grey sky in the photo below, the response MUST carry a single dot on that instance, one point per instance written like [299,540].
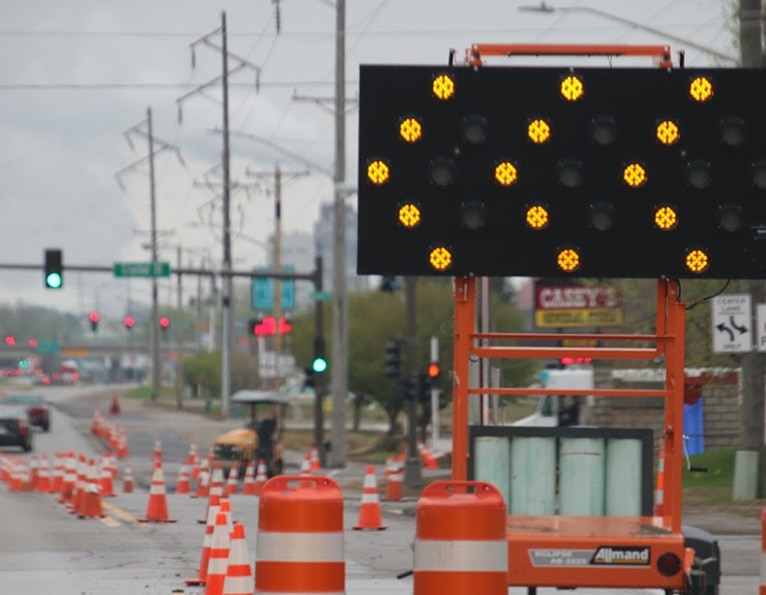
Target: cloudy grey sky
[76,75]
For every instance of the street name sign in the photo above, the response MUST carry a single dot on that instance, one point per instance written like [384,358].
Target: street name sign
[262,290]
[141,269]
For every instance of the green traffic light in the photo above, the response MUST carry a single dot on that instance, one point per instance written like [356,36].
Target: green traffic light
[53,280]
[319,364]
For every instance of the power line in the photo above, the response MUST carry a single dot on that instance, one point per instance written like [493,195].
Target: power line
[145,86]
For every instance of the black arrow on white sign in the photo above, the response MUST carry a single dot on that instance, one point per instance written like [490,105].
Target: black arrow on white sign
[725,329]
[742,329]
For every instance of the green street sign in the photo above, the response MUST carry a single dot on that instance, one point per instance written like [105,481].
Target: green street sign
[47,347]
[141,269]
[320,296]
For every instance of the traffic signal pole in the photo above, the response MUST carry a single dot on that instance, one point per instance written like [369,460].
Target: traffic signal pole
[320,386]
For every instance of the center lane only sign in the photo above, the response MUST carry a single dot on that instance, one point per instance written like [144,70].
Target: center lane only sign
[732,323]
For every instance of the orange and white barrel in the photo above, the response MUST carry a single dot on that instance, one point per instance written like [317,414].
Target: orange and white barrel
[460,540]
[300,543]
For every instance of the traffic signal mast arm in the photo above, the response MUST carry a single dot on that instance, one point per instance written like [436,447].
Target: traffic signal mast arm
[473,55]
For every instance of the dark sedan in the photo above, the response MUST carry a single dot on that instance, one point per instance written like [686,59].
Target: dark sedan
[14,427]
[37,408]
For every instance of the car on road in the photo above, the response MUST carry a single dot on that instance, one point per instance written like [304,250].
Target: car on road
[37,408]
[14,427]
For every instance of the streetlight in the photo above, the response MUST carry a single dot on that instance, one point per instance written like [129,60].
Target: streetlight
[545,8]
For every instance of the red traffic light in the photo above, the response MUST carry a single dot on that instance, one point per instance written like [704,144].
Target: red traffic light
[433,370]
[94,317]
[129,321]
[10,340]
[164,322]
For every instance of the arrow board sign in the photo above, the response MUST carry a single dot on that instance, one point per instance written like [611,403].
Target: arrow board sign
[732,324]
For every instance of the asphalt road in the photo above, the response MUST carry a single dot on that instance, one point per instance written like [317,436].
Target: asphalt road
[44,548]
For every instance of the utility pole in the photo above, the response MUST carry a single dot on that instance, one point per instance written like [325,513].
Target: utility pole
[749,461]
[145,130]
[339,359]
[339,353]
[179,333]
[227,321]
[412,475]
[277,256]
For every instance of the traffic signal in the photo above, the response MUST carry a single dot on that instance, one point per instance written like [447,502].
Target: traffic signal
[562,172]
[53,269]
[164,323]
[319,363]
[394,359]
[253,324]
[309,379]
[93,317]
[129,322]
[433,373]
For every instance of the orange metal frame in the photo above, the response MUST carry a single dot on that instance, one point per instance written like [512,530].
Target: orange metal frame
[473,55]
[582,532]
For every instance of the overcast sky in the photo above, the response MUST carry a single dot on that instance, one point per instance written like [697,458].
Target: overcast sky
[76,75]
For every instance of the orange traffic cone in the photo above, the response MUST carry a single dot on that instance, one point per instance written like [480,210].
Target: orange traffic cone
[157,453]
[261,478]
[219,556]
[114,408]
[394,486]
[248,485]
[127,481]
[216,480]
[105,479]
[182,485]
[239,575]
[314,459]
[369,511]
[203,484]
[122,445]
[231,482]
[306,465]
[212,513]
[157,508]
[90,500]
[69,479]
[43,483]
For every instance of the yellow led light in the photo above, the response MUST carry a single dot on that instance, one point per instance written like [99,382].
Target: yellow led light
[572,88]
[410,130]
[440,258]
[697,261]
[537,217]
[443,87]
[378,172]
[539,131]
[665,218]
[701,89]
[568,260]
[506,173]
[667,132]
[634,175]
[409,215]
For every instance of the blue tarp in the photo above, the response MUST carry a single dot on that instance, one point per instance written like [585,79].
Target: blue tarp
[694,428]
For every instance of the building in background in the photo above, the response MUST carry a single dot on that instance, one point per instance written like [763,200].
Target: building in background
[300,248]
